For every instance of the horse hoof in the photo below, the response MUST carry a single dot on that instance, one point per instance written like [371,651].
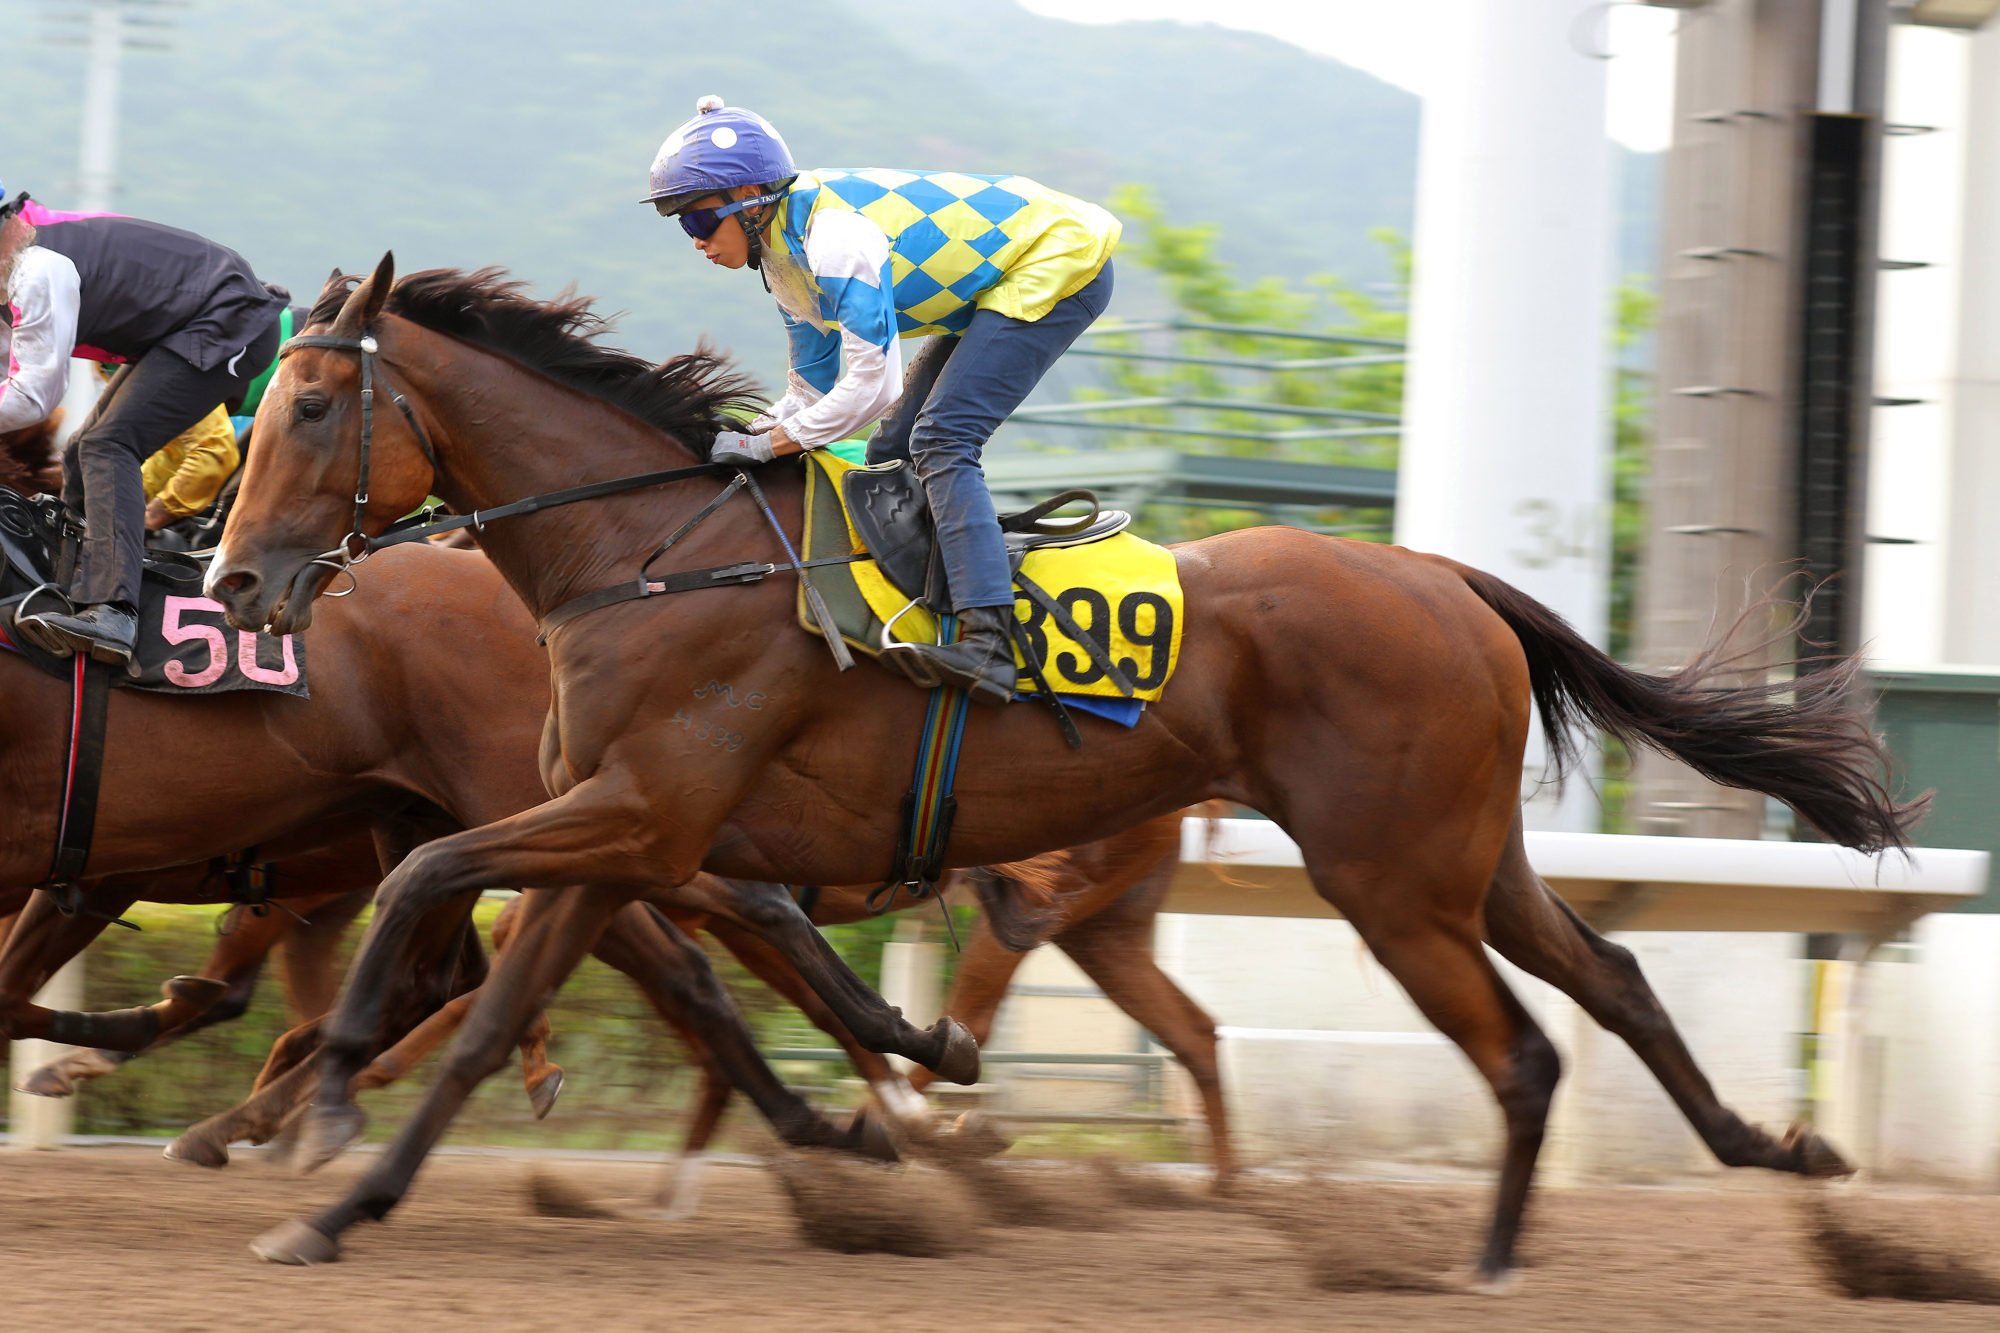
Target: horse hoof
[1499,1282]
[326,1134]
[195,1150]
[48,1081]
[200,991]
[869,1137]
[542,1097]
[975,1135]
[1817,1159]
[298,1243]
[960,1062]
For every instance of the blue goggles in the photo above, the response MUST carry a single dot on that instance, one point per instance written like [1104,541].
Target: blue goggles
[701,223]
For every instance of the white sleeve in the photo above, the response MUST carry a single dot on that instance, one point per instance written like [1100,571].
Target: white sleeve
[42,300]
[849,257]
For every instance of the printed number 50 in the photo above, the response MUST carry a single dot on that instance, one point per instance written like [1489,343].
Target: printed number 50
[175,631]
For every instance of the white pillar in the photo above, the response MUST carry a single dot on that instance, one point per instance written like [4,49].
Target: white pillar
[44,1122]
[1505,455]
[1972,548]
[1905,618]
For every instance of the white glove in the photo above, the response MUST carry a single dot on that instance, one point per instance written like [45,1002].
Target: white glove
[734,448]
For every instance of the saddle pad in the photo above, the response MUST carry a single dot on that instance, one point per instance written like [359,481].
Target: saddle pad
[1124,592]
[184,645]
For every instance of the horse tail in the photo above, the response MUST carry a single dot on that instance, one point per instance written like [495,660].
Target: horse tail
[1019,900]
[1800,740]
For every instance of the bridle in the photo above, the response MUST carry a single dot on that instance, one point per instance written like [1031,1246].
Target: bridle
[357,546]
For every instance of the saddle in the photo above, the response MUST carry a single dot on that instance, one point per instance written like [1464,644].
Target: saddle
[889,510]
[183,645]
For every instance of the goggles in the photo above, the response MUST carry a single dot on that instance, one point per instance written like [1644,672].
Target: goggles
[701,223]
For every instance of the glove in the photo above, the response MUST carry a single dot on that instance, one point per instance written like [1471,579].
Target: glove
[736,449]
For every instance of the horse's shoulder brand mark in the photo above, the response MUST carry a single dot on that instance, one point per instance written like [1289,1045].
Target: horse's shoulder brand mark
[719,737]
[727,693]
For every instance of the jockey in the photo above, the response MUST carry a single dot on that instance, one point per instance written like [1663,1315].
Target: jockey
[193,326]
[1000,266]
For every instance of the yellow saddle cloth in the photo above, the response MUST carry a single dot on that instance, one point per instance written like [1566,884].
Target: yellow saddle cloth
[1124,592]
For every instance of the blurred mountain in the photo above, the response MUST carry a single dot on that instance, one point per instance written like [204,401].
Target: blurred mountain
[511,132]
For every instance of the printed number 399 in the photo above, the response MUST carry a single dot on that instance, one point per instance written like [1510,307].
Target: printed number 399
[1089,609]
[177,631]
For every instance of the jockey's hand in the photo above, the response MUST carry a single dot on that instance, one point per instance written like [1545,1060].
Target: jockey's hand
[739,450]
[157,516]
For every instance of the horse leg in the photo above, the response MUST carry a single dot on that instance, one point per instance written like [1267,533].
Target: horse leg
[985,970]
[541,1075]
[1415,899]
[307,949]
[236,961]
[892,1091]
[1538,932]
[281,1091]
[676,976]
[438,883]
[557,930]
[769,911]
[1117,954]
[42,941]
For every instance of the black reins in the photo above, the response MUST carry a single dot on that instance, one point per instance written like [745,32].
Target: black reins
[357,546]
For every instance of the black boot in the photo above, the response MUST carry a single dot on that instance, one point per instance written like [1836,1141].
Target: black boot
[106,631]
[982,661]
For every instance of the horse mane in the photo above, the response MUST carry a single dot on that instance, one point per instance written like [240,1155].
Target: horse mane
[690,397]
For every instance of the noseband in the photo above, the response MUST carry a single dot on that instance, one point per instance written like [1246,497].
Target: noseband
[356,546]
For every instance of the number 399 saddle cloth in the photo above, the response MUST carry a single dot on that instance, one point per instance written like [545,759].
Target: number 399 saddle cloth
[1101,607]
[184,645]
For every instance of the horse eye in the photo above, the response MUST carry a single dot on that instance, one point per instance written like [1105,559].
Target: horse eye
[311,409]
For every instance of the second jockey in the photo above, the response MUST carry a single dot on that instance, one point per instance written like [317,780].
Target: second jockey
[194,328]
[1006,272]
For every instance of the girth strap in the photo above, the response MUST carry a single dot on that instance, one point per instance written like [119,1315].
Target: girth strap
[83,774]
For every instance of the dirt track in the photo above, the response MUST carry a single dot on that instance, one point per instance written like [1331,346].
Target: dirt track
[117,1238]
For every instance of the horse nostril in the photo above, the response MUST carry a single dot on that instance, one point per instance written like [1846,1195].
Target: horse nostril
[236,582]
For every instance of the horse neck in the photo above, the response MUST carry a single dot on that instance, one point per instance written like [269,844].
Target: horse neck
[505,434]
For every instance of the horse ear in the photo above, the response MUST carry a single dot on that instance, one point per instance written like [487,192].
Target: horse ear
[366,303]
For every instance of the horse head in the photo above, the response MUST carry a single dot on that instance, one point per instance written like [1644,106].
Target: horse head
[329,469]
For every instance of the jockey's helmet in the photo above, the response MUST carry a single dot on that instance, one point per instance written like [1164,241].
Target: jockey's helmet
[721,148]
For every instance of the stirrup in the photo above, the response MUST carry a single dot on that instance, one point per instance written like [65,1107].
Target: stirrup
[907,660]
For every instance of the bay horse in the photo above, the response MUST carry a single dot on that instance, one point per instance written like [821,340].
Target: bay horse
[1373,701]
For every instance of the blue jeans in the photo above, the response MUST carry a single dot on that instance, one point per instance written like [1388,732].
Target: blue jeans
[956,393]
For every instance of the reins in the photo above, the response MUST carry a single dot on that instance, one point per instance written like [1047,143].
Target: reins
[357,546]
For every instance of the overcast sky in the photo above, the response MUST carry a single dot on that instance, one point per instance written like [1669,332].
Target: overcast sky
[1388,39]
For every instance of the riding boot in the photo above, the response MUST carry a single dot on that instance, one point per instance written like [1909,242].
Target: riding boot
[105,631]
[981,662]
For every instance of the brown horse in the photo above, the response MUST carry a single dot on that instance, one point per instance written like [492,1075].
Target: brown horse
[1373,701]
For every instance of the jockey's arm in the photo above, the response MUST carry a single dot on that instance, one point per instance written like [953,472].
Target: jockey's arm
[43,296]
[849,256]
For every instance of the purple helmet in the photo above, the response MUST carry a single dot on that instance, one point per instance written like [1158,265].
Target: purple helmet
[721,148]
